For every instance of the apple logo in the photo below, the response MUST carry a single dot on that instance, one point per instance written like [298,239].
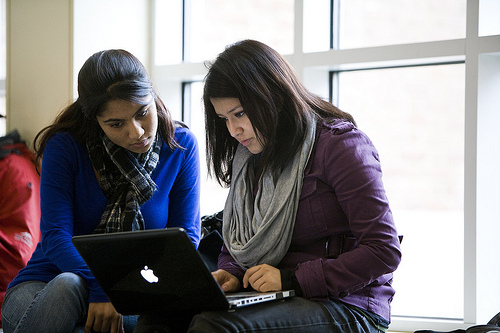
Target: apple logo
[149,275]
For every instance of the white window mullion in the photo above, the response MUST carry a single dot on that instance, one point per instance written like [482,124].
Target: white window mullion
[470,167]
[296,59]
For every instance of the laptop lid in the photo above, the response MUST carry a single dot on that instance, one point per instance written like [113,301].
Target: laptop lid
[158,270]
[150,270]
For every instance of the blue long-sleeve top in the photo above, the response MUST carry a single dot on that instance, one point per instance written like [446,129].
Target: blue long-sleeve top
[72,203]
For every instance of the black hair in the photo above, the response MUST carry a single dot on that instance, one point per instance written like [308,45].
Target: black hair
[275,101]
[105,76]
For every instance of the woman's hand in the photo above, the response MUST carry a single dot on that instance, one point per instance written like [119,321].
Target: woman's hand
[227,281]
[263,278]
[102,317]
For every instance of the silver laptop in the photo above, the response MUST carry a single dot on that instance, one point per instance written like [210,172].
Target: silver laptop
[158,270]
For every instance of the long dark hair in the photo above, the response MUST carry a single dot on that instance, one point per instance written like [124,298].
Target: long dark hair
[105,76]
[275,101]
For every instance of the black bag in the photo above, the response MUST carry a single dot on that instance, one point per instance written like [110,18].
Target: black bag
[211,239]
[211,223]
[493,326]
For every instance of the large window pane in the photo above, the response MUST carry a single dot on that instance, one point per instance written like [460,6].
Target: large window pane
[213,24]
[213,196]
[489,14]
[317,23]
[386,22]
[168,32]
[415,117]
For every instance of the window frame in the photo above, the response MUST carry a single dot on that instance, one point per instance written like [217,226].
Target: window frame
[316,70]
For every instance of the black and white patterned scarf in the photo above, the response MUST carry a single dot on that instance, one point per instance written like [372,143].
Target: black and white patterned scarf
[125,179]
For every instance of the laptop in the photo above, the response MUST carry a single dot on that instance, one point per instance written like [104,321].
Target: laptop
[158,270]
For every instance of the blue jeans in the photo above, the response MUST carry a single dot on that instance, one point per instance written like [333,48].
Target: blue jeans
[296,315]
[57,306]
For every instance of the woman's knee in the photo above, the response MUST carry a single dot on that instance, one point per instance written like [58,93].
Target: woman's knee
[68,279]
[68,282]
[17,300]
[204,322]
[67,288]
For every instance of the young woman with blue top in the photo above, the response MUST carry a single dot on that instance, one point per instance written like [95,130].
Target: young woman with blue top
[113,161]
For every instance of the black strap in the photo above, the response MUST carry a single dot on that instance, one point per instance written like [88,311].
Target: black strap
[493,326]
[10,139]
[495,320]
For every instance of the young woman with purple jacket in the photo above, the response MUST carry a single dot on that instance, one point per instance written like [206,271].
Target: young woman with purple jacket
[307,209]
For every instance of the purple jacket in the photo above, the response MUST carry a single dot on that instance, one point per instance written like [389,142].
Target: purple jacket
[345,245]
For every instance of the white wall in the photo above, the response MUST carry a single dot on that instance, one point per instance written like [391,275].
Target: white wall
[39,60]
[49,40]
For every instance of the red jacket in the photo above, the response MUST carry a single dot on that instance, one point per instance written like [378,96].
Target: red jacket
[19,212]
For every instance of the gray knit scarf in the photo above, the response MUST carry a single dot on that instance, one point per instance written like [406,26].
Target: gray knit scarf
[125,179]
[259,230]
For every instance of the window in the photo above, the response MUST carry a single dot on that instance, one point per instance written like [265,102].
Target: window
[489,24]
[420,79]
[387,22]
[214,197]
[213,24]
[318,29]
[207,26]
[415,117]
